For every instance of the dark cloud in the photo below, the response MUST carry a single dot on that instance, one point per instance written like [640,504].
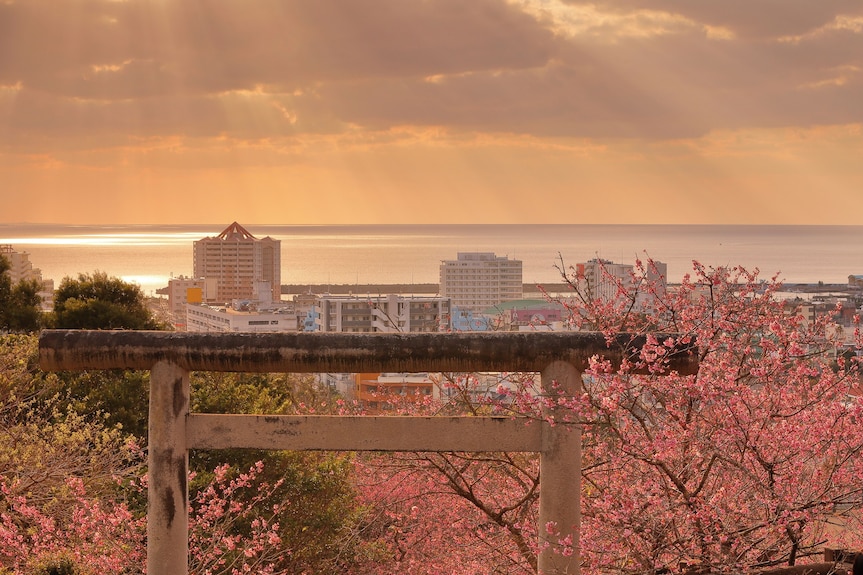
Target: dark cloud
[747,18]
[674,85]
[217,45]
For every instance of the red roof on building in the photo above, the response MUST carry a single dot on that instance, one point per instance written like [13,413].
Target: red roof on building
[236,232]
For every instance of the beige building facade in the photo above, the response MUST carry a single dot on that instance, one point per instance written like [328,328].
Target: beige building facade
[241,265]
[477,281]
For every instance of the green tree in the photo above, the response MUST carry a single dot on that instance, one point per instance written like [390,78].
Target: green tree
[323,515]
[100,302]
[19,303]
[119,397]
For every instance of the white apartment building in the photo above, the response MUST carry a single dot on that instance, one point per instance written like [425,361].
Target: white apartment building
[21,268]
[477,281]
[241,317]
[243,266]
[602,279]
[388,314]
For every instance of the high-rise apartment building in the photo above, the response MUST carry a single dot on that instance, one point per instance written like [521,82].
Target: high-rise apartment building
[477,281]
[243,266]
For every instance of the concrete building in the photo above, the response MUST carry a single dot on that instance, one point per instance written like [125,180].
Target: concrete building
[531,314]
[385,314]
[603,279]
[656,277]
[342,383]
[658,274]
[479,387]
[381,391]
[476,281]
[180,291]
[21,268]
[243,266]
[804,308]
[466,320]
[241,316]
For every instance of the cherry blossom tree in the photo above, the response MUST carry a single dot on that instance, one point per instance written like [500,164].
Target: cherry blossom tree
[91,535]
[755,461]
[233,529]
[451,512]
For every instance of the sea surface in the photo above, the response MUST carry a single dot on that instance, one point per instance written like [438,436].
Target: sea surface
[376,254]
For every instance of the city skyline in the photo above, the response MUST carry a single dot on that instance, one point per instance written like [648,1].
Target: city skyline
[386,111]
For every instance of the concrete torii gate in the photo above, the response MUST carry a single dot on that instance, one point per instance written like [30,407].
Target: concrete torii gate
[560,357]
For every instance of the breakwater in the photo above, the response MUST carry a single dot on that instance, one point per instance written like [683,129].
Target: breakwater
[381,289]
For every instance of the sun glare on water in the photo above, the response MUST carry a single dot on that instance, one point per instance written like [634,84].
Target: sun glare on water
[112,239]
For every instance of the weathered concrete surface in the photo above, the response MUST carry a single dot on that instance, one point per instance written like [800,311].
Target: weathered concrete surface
[168,462]
[338,352]
[359,433]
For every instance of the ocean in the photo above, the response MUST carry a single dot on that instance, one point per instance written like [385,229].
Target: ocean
[404,254]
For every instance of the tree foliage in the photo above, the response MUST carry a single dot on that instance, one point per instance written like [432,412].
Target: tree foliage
[466,513]
[97,301]
[63,476]
[19,303]
[752,462]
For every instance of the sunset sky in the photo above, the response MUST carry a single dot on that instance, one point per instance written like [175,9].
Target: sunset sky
[437,111]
